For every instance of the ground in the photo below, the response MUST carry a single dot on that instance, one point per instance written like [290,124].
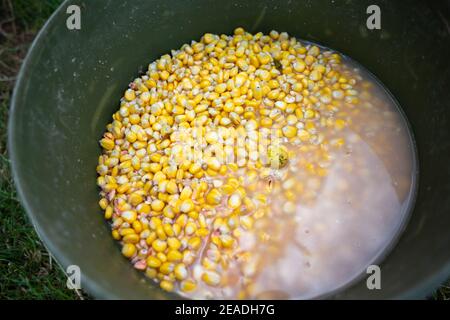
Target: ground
[26,268]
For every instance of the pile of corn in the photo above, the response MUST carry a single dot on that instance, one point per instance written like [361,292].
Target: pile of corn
[180,219]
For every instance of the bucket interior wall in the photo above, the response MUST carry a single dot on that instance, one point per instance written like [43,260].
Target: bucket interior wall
[72,81]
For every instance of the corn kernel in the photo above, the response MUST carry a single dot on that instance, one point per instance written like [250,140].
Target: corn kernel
[211,278]
[159,245]
[187,286]
[128,250]
[173,243]
[166,285]
[129,216]
[214,197]
[187,206]
[174,256]
[153,262]
[157,205]
[107,144]
[235,200]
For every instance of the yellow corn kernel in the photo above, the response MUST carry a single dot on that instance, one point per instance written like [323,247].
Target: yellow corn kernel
[168,229]
[129,216]
[135,199]
[213,163]
[187,206]
[180,271]
[151,238]
[161,256]
[208,38]
[107,144]
[126,231]
[304,135]
[157,205]
[338,142]
[215,240]
[203,186]
[309,114]
[315,75]
[249,204]
[211,278]
[158,177]
[266,122]
[289,131]
[115,235]
[128,250]
[187,286]
[223,170]
[176,229]
[124,188]
[130,95]
[171,172]
[247,222]
[108,212]
[193,214]
[173,243]
[226,240]
[143,208]
[155,222]
[202,232]
[160,233]
[171,187]
[166,285]
[103,203]
[153,262]
[186,193]
[137,226]
[239,31]
[235,200]
[155,157]
[220,88]
[134,118]
[233,182]
[181,220]
[151,273]
[190,228]
[214,197]
[339,124]
[110,186]
[155,167]
[264,58]
[131,137]
[194,168]
[166,267]
[159,245]
[168,212]
[180,174]
[131,238]
[194,243]
[174,256]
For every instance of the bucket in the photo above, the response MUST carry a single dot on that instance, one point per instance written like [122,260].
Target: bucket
[72,80]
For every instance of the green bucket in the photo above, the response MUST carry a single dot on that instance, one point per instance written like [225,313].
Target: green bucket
[72,80]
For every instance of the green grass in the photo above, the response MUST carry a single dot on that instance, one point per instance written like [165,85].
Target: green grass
[32,14]
[26,268]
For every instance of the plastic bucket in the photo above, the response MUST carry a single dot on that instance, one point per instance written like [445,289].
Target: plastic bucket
[72,80]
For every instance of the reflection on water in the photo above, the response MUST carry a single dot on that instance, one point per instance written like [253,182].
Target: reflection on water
[353,217]
[332,211]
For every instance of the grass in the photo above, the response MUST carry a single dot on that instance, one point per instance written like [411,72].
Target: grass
[26,268]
